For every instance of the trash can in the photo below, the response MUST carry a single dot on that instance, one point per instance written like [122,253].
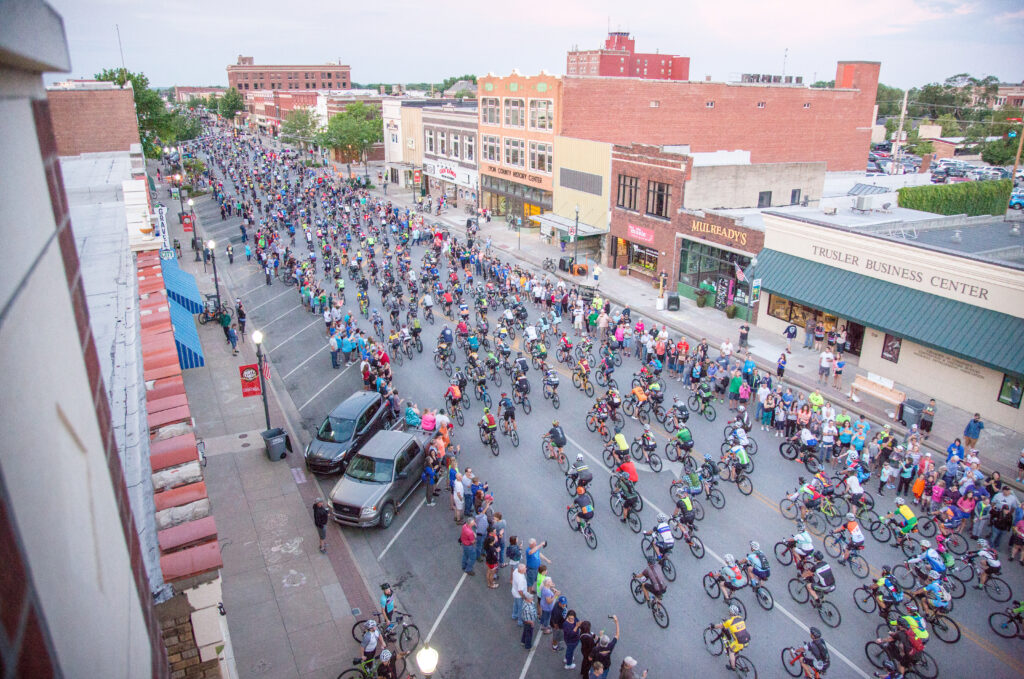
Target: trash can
[565,263]
[909,412]
[673,302]
[277,443]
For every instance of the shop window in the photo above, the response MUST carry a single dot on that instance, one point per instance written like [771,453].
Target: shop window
[442,143]
[456,144]
[430,141]
[794,197]
[628,189]
[541,117]
[643,258]
[764,199]
[1010,391]
[797,314]
[489,111]
[492,152]
[515,152]
[540,157]
[514,112]
[658,195]
[470,148]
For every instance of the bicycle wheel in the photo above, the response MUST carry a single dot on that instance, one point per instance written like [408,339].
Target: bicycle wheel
[710,413]
[494,447]
[926,666]
[946,629]
[634,450]
[797,591]
[881,531]
[904,578]
[962,571]
[514,435]
[353,673]
[697,547]
[745,668]
[669,569]
[811,464]
[636,589]
[859,565]
[588,388]
[689,465]
[764,598]
[654,460]
[459,417]
[865,600]
[791,663]
[608,459]
[570,518]
[616,502]
[397,357]
[956,543]
[634,521]
[698,510]
[829,614]
[563,462]
[526,405]
[671,452]
[486,399]
[713,641]
[591,423]
[629,408]
[357,630]
[590,536]
[788,450]
[576,380]
[816,523]
[876,654]
[1004,625]
[555,401]
[997,589]
[833,545]
[956,588]
[409,639]
[723,470]
[927,529]
[605,433]
[692,402]
[647,546]
[448,369]
[711,586]
[744,484]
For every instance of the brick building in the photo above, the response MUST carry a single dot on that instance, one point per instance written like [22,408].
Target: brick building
[246,76]
[92,116]
[449,154]
[776,122]
[182,94]
[618,58]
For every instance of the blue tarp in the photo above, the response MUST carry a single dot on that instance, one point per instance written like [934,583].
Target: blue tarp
[186,337]
[181,286]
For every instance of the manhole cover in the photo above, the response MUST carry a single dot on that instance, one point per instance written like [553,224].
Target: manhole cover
[246,445]
[243,436]
[356,612]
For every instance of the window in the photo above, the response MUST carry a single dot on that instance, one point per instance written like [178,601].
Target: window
[514,113]
[657,199]
[430,141]
[442,143]
[807,105]
[490,148]
[489,112]
[470,151]
[540,114]
[515,150]
[761,104]
[628,188]
[655,104]
[455,146]
[540,157]
[394,138]
[794,197]
[1010,391]
[764,199]
[643,257]
[709,104]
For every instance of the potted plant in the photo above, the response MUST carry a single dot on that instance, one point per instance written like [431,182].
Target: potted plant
[730,311]
[701,297]
[623,270]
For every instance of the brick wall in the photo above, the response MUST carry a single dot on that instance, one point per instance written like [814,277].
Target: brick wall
[88,121]
[182,652]
[796,123]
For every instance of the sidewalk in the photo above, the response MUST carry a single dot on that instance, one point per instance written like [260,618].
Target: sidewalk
[999,446]
[290,609]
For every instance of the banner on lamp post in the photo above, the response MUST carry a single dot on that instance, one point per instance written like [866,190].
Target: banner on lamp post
[186,223]
[250,376]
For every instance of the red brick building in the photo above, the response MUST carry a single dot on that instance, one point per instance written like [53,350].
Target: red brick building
[182,94]
[618,58]
[247,76]
[92,116]
[775,122]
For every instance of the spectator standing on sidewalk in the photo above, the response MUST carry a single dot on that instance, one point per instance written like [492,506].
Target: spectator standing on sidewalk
[241,317]
[809,333]
[744,336]
[628,669]
[320,517]
[233,339]
[528,616]
[225,324]
[928,419]
[533,559]
[571,633]
[519,591]
[467,539]
[602,651]
[790,334]
[557,618]
[972,431]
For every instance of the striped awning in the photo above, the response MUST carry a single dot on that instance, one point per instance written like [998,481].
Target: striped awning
[186,337]
[181,286]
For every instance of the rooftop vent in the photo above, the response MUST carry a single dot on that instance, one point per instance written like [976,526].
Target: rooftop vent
[957,236]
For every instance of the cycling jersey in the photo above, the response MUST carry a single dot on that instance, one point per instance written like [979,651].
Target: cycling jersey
[630,469]
[557,436]
[684,435]
[937,594]
[638,392]
[621,443]
[741,454]
[917,626]
[932,558]
[736,629]
[804,545]
[663,535]
[454,392]
[856,534]
[586,505]
[824,579]
[734,576]
[760,563]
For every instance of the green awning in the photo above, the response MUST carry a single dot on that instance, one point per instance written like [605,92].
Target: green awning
[989,338]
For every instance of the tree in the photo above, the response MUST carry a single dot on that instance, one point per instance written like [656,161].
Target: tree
[448,82]
[300,127]
[1002,151]
[231,104]
[823,83]
[889,100]
[354,131]
[950,125]
[150,109]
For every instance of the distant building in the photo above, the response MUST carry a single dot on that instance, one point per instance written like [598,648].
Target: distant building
[467,86]
[618,58]
[450,154]
[247,76]
[182,94]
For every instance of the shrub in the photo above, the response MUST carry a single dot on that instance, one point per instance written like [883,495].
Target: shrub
[730,311]
[969,198]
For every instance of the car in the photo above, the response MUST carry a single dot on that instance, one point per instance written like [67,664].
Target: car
[380,478]
[345,430]
[874,168]
[939,176]
[1017,201]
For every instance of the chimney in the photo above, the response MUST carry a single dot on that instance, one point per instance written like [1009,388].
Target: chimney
[707,78]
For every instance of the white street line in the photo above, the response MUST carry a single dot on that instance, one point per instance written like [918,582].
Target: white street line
[269,300]
[533,650]
[444,610]
[248,292]
[313,397]
[312,356]
[296,334]
[264,326]
[600,464]
[407,521]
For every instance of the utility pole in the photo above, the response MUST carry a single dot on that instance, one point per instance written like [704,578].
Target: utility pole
[899,136]
[1016,162]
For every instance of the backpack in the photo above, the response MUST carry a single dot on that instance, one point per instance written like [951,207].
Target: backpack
[739,631]
[819,650]
[764,564]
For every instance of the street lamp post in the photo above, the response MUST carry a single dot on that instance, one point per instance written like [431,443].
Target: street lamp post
[216,284]
[576,238]
[257,338]
[426,660]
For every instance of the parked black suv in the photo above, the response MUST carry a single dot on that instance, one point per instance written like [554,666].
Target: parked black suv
[345,430]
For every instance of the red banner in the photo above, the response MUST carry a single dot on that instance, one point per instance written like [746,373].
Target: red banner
[639,233]
[250,375]
[186,223]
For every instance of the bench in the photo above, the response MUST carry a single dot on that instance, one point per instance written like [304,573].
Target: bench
[883,392]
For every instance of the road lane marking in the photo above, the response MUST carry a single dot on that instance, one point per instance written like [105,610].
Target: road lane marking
[407,522]
[287,290]
[313,397]
[264,326]
[296,334]
[311,357]
[440,616]
[716,557]
[533,651]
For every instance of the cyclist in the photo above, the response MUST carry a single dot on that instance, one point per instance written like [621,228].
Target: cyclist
[508,410]
[579,472]
[652,580]
[558,440]
[459,375]
[522,385]
[387,602]
[737,458]
[522,364]
[445,336]
[929,559]
[887,592]
[585,505]
[817,576]
[539,351]
[734,628]
[904,517]
[662,534]
[620,450]
[816,659]
[704,394]
[453,397]
[756,564]
[639,398]
[607,368]
[372,639]
[628,467]
[550,379]
[901,645]
[731,577]
[648,443]
[742,420]
[801,543]
[684,513]
[487,422]
[684,438]
[934,598]
[855,542]
[914,622]
[853,487]
[679,413]
[992,563]
[630,497]
[583,369]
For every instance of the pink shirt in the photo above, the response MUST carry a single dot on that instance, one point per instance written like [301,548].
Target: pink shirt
[429,422]
[937,493]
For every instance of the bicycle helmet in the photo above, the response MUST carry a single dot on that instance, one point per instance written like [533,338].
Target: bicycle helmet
[801,480]
[741,409]
[385,587]
[899,502]
[486,410]
[662,517]
[519,354]
[933,575]
[580,490]
[754,546]
[707,456]
[730,560]
[911,607]
[554,423]
[982,542]
[624,475]
[647,427]
[815,633]
[886,570]
[734,609]
[371,624]
[453,380]
[850,516]
[818,556]
[925,544]
[385,655]
[579,457]
[504,394]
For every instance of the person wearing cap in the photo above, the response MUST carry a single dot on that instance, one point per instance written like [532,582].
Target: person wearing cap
[628,669]
[558,614]
[320,518]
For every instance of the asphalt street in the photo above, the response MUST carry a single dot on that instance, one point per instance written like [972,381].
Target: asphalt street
[471,626]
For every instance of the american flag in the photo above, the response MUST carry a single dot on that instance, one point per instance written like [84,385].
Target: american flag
[266,368]
[739,273]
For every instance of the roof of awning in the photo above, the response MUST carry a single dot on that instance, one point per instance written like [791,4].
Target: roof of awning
[564,224]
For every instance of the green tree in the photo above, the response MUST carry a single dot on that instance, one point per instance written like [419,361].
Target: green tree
[150,109]
[354,131]
[300,127]
[448,82]
[889,100]
[1002,151]
[951,127]
[823,83]
[231,104]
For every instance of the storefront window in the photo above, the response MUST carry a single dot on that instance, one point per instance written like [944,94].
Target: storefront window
[702,263]
[1010,391]
[643,258]
[797,314]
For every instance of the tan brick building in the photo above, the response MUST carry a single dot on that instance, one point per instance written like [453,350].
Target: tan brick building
[93,116]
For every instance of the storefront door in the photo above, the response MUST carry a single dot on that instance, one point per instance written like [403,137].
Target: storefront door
[854,337]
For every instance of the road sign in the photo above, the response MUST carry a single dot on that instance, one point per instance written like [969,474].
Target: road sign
[572,230]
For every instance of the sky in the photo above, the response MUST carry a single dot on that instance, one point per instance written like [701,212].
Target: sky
[188,42]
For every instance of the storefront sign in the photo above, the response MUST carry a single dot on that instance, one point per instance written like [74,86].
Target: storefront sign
[416,177]
[948,361]
[250,377]
[737,236]
[447,173]
[639,233]
[514,174]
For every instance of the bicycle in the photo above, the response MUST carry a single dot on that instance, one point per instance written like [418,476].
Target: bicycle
[713,644]
[211,312]
[715,496]
[639,451]
[367,669]
[835,544]
[995,587]
[641,411]
[509,431]
[553,453]
[712,583]
[940,623]
[814,519]
[791,662]
[907,578]
[399,630]
[480,391]
[1008,624]
[488,438]
[523,400]
[550,391]
[922,664]
[742,481]
[653,602]
[677,451]
[698,405]
[582,525]
[581,381]
[595,422]
[633,520]
[827,611]
[808,456]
